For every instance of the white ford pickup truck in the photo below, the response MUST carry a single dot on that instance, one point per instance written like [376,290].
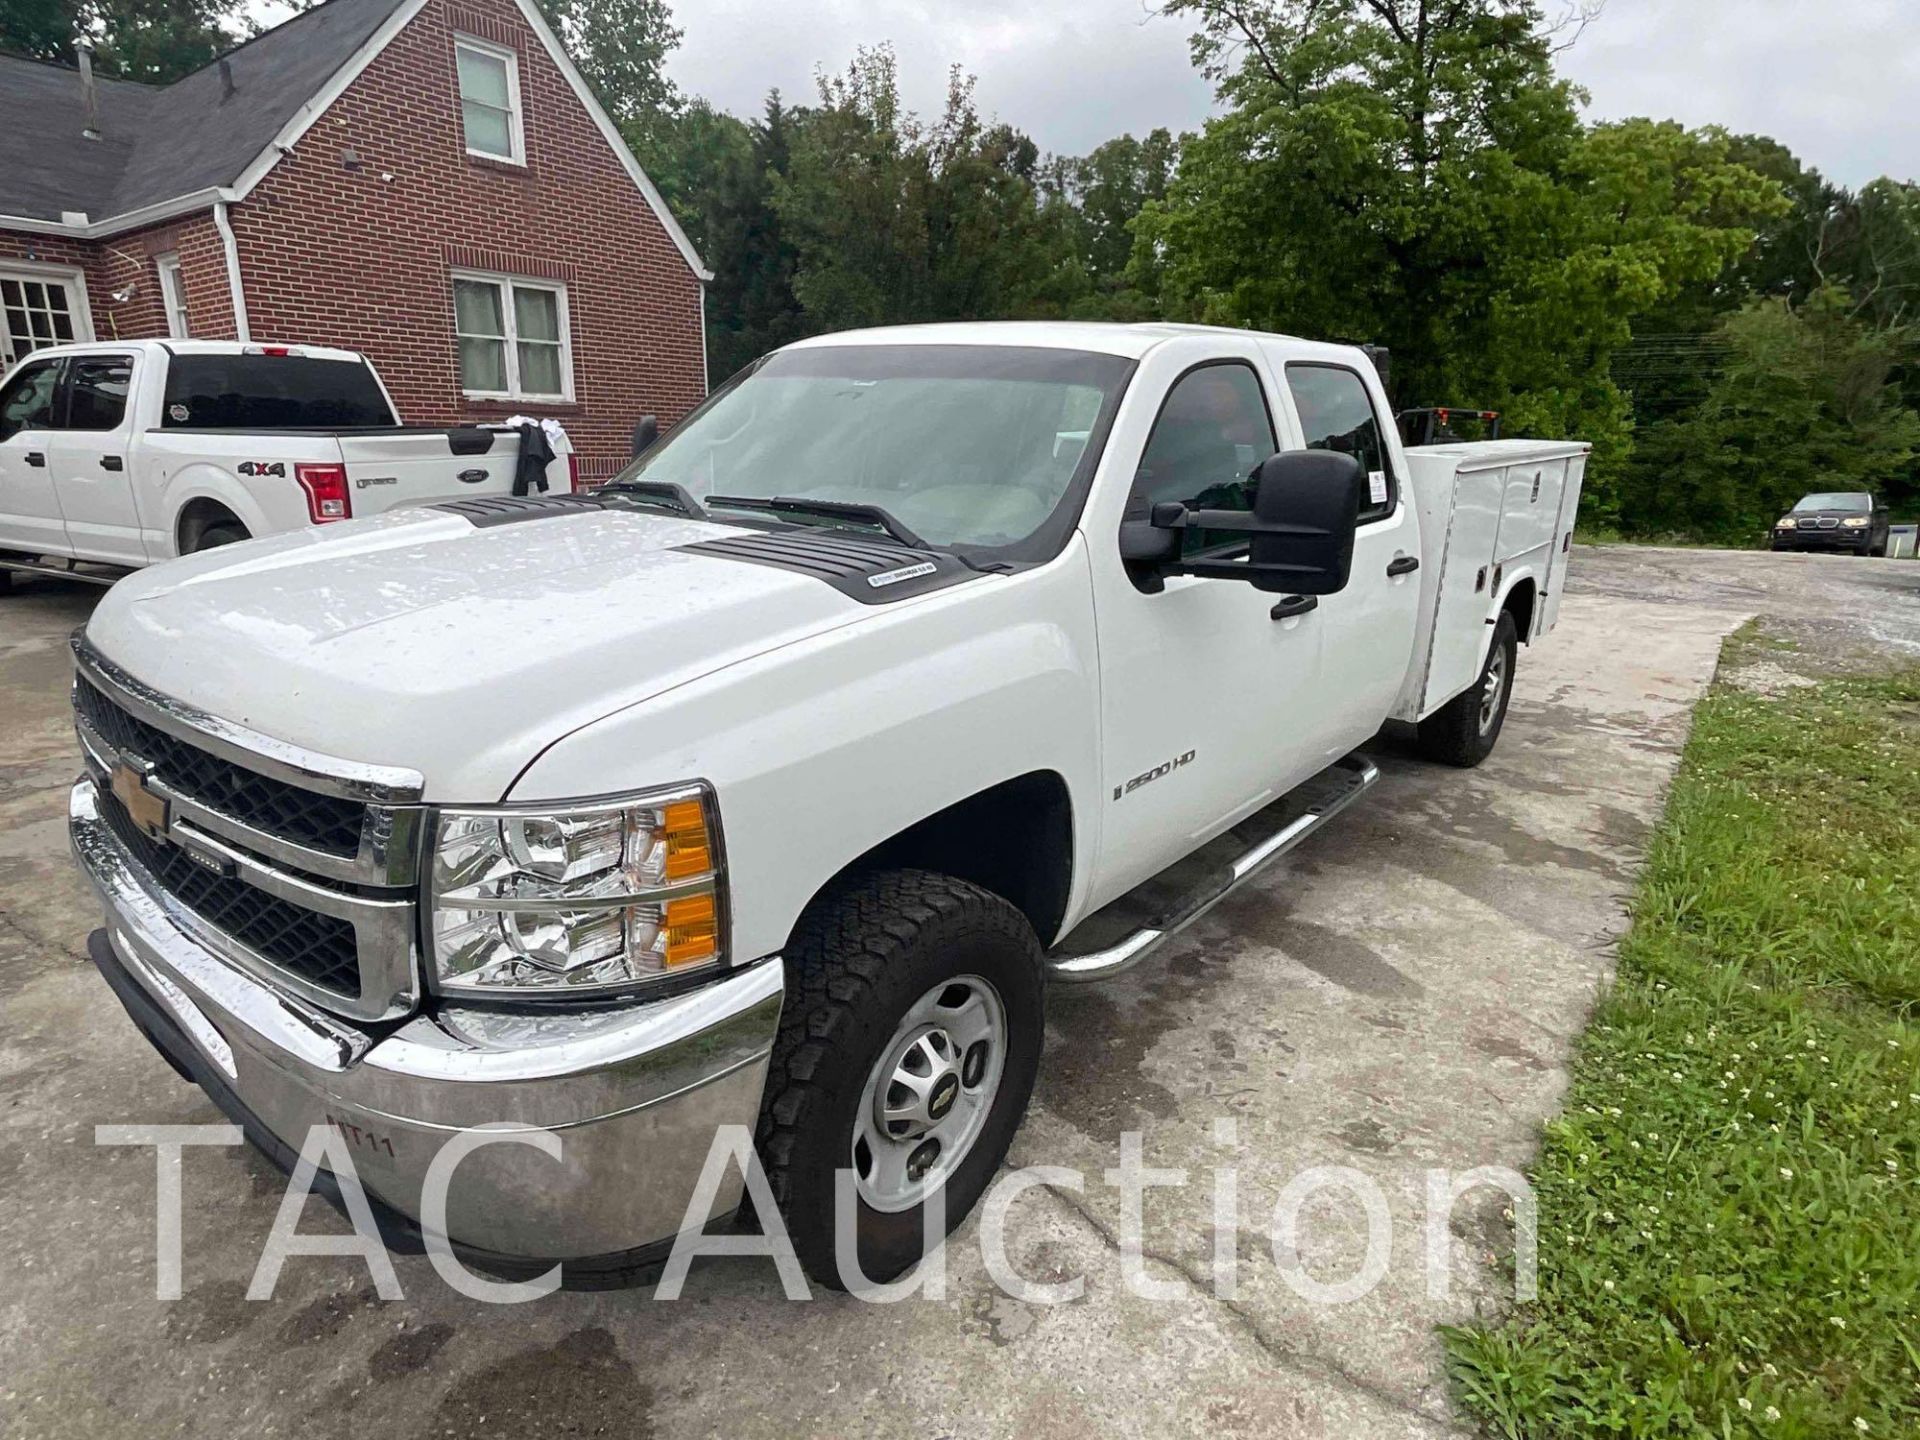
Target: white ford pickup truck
[771,786]
[132,452]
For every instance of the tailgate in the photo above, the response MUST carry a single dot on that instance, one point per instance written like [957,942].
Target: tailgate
[415,467]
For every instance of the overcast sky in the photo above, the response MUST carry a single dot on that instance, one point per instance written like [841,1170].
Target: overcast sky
[1836,80]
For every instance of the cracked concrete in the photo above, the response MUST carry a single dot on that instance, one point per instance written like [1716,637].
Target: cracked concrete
[1400,996]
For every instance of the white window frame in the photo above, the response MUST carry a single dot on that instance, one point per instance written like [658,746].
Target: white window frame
[516,131]
[173,296]
[80,307]
[509,321]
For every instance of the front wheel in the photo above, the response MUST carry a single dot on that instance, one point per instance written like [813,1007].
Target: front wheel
[1464,730]
[907,1053]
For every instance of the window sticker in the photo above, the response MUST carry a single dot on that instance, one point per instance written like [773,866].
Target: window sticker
[1377,486]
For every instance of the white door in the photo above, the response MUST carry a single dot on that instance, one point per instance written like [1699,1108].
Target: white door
[1206,697]
[87,454]
[38,309]
[30,519]
[1367,629]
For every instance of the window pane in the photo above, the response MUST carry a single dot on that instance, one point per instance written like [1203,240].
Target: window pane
[1336,414]
[1212,432]
[62,326]
[97,392]
[476,308]
[483,365]
[483,77]
[488,130]
[540,369]
[536,314]
[272,392]
[10,292]
[27,403]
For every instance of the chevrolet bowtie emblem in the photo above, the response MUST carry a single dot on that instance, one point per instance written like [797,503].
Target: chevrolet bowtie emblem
[147,810]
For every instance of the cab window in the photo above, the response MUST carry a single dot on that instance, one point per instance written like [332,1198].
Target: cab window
[1336,413]
[97,391]
[27,402]
[1213,430]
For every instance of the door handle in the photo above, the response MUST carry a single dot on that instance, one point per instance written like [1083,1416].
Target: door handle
[36,459]
[112,462]
[1294,605]
[1402,565]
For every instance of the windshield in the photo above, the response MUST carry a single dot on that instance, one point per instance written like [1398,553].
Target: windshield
[1861,503]
[962,445]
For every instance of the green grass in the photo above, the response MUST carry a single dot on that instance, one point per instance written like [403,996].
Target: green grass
[1730,1202]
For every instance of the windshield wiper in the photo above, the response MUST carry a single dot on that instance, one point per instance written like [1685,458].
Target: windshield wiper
[828,509]
[671,491]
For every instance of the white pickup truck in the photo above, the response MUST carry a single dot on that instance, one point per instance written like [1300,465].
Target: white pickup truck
[133,452]
[774,784]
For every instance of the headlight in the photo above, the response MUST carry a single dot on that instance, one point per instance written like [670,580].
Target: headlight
[1856,522]
[1787,522]
[593,899]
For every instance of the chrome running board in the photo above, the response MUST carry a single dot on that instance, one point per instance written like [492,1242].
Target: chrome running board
[1360,774]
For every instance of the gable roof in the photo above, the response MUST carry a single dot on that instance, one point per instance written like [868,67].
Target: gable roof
[167,150]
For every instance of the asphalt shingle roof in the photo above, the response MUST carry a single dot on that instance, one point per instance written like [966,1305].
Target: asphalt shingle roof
[159,142]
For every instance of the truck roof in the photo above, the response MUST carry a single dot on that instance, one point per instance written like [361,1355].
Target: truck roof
[1103,337]
[194,347]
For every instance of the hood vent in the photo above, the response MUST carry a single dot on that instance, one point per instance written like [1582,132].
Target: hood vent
[486,511]
[873,571]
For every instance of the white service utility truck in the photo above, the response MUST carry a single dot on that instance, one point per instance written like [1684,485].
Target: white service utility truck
[128,453]
[770,785]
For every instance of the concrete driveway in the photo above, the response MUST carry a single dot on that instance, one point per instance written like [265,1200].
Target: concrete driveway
[1401,997]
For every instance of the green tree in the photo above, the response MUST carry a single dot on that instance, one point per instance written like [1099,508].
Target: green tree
[155,41]
[1807,399]
[621,46]
[1412,172]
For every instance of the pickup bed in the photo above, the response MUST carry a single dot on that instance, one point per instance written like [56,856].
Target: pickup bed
[774,785]
[129,453]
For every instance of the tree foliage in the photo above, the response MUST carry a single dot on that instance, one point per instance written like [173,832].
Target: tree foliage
[621,47]
[153,41]
[1414,174]
[1806,399]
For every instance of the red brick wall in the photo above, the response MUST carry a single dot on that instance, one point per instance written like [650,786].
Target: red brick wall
[126,263]
[355,249]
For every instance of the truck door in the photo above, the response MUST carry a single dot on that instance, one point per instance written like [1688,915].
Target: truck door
[30,519]
[87,454]
[1208,701]
[1367,629]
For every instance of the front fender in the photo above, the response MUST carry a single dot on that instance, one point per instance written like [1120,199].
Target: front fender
[823,749]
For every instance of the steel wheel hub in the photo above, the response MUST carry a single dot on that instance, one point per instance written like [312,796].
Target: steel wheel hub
[928,1098]
[1496,688]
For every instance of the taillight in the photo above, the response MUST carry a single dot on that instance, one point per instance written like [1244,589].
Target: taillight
[573,473]
[326,487]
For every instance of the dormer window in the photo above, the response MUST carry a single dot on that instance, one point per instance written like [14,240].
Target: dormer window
[490,100]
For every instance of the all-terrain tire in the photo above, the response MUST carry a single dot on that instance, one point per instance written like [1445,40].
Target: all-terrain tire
[861,957]
[1464,731]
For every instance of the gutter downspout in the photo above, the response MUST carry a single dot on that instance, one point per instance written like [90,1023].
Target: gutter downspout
[232,249]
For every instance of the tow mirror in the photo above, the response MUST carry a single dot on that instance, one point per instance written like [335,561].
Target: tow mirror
[644,434]
[1306,506]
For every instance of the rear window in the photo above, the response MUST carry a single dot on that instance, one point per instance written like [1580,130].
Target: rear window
[271,392]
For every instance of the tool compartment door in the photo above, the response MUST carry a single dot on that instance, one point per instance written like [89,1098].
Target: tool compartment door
[1454,652]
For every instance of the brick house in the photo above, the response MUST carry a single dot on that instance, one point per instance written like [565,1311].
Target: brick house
[430,181]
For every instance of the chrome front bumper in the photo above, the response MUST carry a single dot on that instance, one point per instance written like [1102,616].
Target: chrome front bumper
[634,1093]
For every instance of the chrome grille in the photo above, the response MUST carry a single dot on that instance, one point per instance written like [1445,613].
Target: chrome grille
[320,822]
[294,866]
[319,948]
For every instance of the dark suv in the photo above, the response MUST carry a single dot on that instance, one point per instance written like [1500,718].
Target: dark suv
[1851,522]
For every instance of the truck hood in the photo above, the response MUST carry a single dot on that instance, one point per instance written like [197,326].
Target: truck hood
[419,639]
